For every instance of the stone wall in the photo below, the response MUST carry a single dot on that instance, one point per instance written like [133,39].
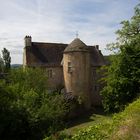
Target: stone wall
[55,77]
[77,78]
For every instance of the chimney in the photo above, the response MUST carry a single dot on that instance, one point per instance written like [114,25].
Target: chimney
[28,41]
[97,47]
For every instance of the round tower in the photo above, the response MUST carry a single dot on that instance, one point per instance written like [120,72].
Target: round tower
[76,68]
[28,41]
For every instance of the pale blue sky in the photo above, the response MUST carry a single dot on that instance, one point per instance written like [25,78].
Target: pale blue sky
[58,20]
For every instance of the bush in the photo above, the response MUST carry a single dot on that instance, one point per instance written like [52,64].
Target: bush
[123,75]
[27,110]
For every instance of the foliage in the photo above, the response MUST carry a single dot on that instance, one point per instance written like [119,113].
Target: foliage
[6,59]
[124,125]
[123,75]
[27,110]
[28,79]
[119,121]
[1,65]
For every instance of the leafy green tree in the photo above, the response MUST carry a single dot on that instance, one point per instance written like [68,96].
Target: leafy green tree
[29,78]
[6,59]
[27,111]
[1,64]
[123,75]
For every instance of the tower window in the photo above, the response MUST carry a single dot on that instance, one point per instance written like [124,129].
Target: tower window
[95,88]
[49,72]
[94,74]
[69,67]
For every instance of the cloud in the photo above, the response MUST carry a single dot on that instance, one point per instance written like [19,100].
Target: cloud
[57,21]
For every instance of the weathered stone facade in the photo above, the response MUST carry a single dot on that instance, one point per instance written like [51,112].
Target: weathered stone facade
[73,66]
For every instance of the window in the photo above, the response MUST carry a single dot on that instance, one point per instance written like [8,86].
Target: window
[94,72]
[49,72]
[69,67]
[94,75]
[96,88]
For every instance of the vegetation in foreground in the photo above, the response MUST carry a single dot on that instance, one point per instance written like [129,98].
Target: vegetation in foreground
[27,110]
[123,75]
[122,126]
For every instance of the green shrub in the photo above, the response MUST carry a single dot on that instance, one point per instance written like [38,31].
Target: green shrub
[123,75]
[27,110]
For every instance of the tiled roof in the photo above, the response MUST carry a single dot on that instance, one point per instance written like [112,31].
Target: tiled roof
[51,54]
[97,59]
[45,53]
[76,45]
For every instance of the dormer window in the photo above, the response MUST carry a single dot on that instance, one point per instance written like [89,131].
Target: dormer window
[69,67]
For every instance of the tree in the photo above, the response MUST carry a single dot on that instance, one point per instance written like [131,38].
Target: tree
[1,64]
[123,75]
[27,110]
[6,59]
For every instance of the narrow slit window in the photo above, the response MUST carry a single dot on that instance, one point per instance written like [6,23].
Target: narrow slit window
[69,67]
[94,74]
[95,88]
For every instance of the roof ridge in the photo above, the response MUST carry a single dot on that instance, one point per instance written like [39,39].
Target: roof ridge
[49,43]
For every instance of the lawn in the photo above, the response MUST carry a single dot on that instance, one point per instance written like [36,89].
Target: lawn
[85,120]
[121,126]
[98,126]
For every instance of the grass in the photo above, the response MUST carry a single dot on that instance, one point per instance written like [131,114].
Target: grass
[122,126]
[86,121]
[128,127]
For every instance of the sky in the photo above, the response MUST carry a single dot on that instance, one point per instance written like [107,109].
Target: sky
[58,21]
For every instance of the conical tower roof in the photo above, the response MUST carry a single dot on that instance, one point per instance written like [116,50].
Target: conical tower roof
[76,45]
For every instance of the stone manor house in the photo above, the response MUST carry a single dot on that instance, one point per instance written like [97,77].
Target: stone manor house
[72,66]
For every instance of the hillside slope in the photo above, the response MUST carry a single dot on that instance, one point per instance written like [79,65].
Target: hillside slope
[122,126]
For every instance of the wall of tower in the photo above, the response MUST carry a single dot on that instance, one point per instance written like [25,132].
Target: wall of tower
[77,75]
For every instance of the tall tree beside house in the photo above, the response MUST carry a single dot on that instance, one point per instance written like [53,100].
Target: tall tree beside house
[6,59]
[123,75]
[1,65]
